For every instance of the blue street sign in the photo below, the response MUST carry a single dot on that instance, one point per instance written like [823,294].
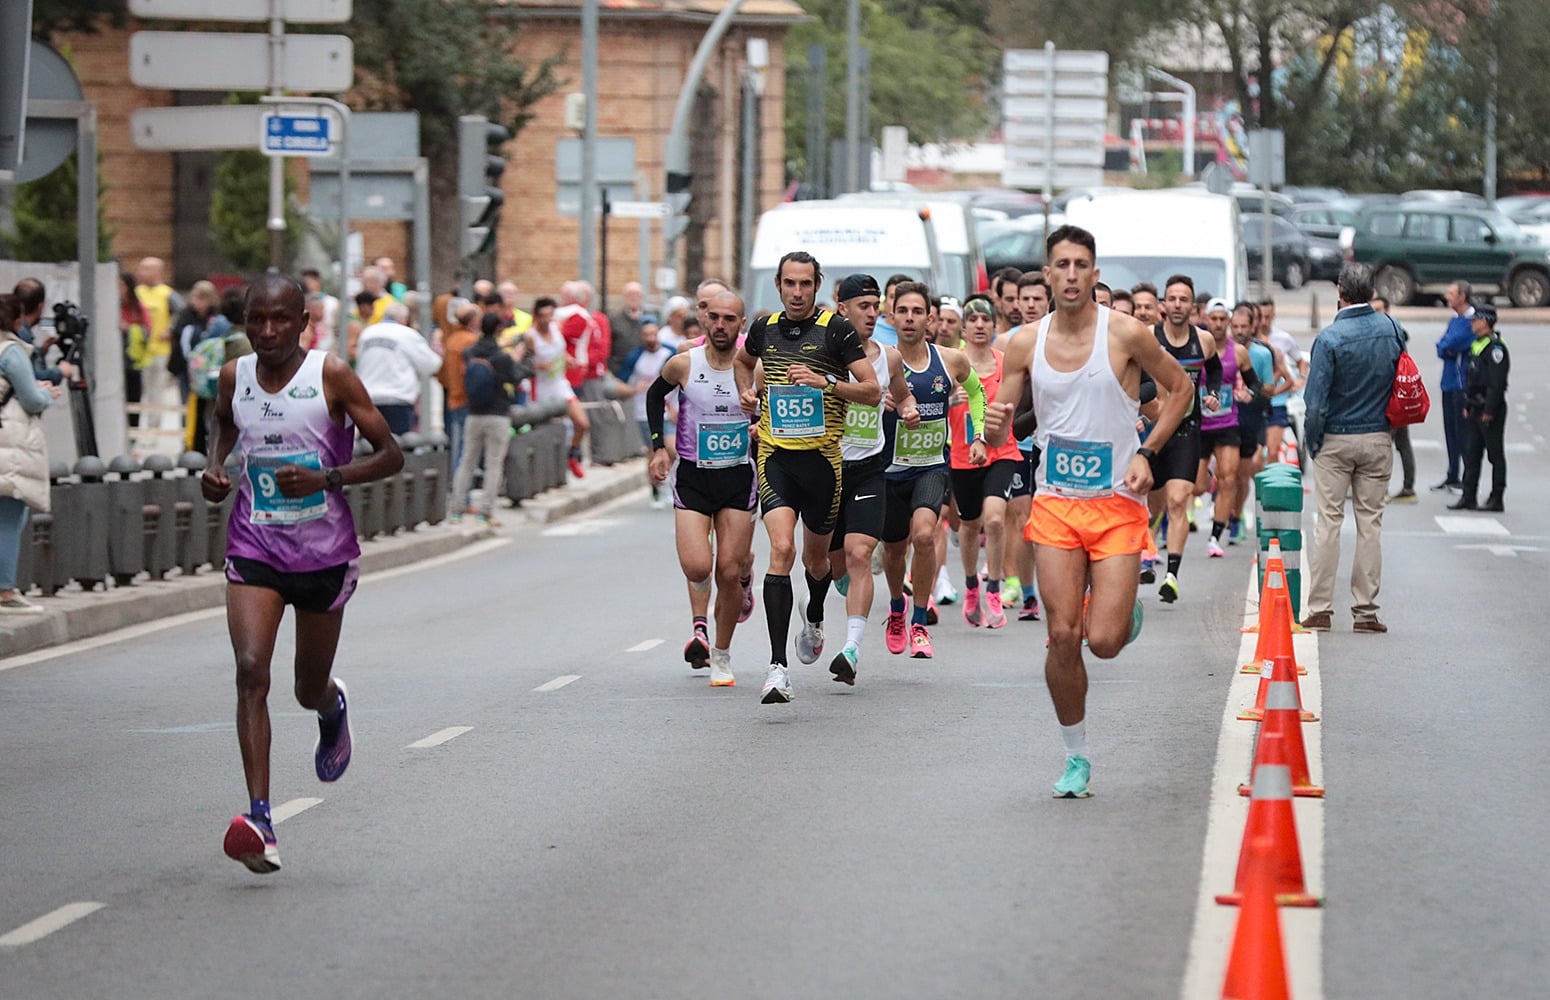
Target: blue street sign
[297,135]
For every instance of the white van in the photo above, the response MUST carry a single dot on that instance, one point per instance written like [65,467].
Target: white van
[846,237]
[1150,235]
[957,239]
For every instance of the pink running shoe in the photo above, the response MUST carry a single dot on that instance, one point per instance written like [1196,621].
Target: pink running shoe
[920,642]
[747,603]
[971,607]
[995,614]
[896,633]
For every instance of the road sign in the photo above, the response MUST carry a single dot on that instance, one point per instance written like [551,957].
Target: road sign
[183,60]
[50,140]
[296,135]
[224,126]
[1055,117]
[615,172]
[638,209]
[294,11]
[376,192]
[15,45]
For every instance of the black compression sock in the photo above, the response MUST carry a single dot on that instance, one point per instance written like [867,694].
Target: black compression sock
[817,590]
[777,612]
[1174,561]
[1217,527]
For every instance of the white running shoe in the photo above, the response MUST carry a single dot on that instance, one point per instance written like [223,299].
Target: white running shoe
[1214,549]
[721,669]
[777,686]
[945,592]
[810,642]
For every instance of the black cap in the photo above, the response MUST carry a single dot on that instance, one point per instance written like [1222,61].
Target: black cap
[1487,313]
[856,285]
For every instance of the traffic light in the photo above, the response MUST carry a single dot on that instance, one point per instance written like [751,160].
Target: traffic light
[479,169]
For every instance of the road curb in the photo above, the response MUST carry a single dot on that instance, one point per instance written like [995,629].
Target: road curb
[72,615]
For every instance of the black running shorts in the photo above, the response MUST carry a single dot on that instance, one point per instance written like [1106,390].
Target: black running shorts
[318,591]
[972,486]
[906,496]
[1023,473]
[865,487]
[1220,437]
[710,491]
[806,481]
[1179,459]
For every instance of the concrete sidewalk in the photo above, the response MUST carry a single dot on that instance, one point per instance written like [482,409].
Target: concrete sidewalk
[75,614]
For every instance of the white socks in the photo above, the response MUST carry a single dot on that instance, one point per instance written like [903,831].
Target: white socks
[855,628]
[1075,739]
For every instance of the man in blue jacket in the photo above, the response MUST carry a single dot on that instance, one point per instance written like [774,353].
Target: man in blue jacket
[1453,349]
[1350,377]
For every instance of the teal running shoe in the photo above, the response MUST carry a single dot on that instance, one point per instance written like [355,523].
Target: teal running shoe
[1137,618]
[844,665]
[1073,784]
[843,585]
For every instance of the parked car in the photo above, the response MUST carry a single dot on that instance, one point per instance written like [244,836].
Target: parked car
[1311,195]
[1289,250]
[1325,219]
[1450,197]
[1423,246]
[1515,205]
[1015,243]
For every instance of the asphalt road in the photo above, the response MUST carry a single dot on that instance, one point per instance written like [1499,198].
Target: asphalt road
[632,832]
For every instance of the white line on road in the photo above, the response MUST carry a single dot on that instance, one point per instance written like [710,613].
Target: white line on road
[641,647]
[35,930]
[1471,526]
[436,739]
[558,683]
[189,618]
[1302,929]
[286,810]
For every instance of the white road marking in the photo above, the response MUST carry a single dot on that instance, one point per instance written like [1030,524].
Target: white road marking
[588,526]
[1471,526]
[285,810]
[436,739]
[1425,444]
[36,930]
[641,647]
[191,617]
[1505,551]
[1519,447]
[1302,929]
[558,683]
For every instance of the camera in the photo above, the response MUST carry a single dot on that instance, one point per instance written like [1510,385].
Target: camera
[70,327]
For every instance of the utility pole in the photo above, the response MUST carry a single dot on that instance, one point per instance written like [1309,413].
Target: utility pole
[586,265]
[277,163]
[1493,72]
[853,96]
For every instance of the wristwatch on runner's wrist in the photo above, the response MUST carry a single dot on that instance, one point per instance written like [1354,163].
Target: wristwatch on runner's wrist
[334,478]
[1146,453]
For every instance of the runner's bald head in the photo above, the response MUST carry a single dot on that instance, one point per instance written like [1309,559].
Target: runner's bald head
[728,299]
[279,290]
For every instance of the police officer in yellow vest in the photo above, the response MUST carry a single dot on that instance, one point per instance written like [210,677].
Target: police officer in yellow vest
[1485,411]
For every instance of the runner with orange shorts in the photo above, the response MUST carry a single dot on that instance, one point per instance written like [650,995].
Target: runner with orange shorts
[1084,363]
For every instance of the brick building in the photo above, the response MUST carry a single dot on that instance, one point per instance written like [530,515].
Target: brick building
[158,202]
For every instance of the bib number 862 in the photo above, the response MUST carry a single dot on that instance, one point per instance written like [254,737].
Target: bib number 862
[1076,466]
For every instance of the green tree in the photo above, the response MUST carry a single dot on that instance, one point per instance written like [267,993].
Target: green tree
[239,210]
[44,214]
[445,60]
[49,16]
[930,69]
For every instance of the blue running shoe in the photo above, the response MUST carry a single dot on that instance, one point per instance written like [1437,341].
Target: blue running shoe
[1073,784]
[1137,617]
[332,754]
[251,842]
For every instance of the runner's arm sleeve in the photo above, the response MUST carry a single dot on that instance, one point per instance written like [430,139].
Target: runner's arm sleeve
[656,398]
[1250,378]
[1214,373]
[976,390]
[1025,421]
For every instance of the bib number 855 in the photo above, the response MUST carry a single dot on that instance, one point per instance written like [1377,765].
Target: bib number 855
[802,408]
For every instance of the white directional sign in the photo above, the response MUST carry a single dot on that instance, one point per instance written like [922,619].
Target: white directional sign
[294,11]
[297,135]
[225,126]
[1055,118]
[638,209]
[309,63]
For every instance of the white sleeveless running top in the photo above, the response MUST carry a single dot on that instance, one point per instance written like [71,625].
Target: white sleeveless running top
[1087,423]
[864,436]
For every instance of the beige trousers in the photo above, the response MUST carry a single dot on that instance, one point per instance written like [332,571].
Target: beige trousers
[1358,465]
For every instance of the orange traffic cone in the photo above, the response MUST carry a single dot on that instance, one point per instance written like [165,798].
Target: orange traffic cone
[1270,815]
[1269,641]
[1283,717]
[1282,660]
[1275,580]
[1257,968]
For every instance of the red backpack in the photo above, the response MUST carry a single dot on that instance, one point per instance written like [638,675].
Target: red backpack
[1408,402]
